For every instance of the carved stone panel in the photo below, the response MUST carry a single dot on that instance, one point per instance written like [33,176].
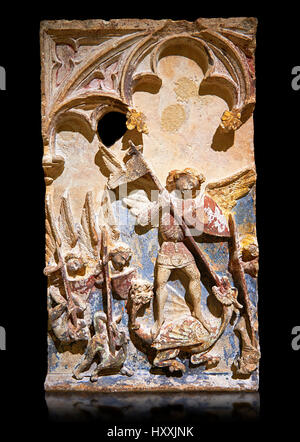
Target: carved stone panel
[151,249]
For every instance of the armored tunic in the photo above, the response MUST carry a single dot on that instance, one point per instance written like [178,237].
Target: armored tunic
[200,214]
[173,252]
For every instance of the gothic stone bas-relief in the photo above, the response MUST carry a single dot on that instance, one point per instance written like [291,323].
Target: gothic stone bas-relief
[151,249]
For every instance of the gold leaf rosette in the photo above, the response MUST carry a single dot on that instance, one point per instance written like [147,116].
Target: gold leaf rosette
[230,120]
[136,120]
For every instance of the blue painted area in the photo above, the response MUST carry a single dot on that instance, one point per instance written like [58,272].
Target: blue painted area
[53,356]
[230,352]
[244,210]
[145,247]
[95,300]
[217,254]
[252,289]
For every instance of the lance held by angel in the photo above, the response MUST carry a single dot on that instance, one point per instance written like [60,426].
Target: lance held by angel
[183,194]
[184,210]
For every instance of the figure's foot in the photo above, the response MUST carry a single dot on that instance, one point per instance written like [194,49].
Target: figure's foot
[78,375]
[126,371]
[198,359]
[94,378]
[176,366]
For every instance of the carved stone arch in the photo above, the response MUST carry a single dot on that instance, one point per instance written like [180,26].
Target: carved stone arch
[227,71]
[185,45]
[224,65]
[78,120]
[72,119]
[138,53]
[175,45]
[95,65]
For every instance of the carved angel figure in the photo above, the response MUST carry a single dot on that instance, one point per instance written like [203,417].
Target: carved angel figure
[183,210]
[98,346]
[199,212]
[61,309]
[79,257]
[74,267]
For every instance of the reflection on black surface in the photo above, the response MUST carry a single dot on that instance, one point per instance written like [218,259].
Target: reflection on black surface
[118,408]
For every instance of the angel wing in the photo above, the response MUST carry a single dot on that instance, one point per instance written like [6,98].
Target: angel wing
[227,191]
[52,237]
[87,232]
[107,217]
[66,223]
[141,207]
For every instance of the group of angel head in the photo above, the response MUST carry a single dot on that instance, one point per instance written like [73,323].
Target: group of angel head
[78,245]
[119,255]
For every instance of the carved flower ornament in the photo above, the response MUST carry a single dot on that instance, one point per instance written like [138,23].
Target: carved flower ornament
[230,120]
[136,120]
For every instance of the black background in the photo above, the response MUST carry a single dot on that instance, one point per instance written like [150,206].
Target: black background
[22,297]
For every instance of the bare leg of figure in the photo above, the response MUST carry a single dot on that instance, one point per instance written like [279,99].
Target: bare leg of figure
[162,278]
[193,274]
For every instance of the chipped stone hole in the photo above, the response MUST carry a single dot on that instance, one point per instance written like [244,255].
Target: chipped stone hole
[111,127]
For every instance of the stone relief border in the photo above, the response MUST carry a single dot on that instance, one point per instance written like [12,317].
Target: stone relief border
[94,67]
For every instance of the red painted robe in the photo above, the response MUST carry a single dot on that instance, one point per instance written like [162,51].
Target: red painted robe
[200,214]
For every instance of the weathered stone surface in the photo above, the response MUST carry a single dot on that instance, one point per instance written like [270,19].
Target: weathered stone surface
[151,250]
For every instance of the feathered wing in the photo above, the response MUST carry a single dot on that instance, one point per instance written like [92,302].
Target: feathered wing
[180,333]
[107,217]
[52,236]
[141,207]
[227,191]
[66,223]
[175,306]
[88,234]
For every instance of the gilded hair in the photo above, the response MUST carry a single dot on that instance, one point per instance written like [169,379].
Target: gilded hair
[175,174]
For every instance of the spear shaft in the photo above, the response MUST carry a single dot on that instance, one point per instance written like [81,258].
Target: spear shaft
[189,239]
[71,305]
[238,274]
[107,289]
